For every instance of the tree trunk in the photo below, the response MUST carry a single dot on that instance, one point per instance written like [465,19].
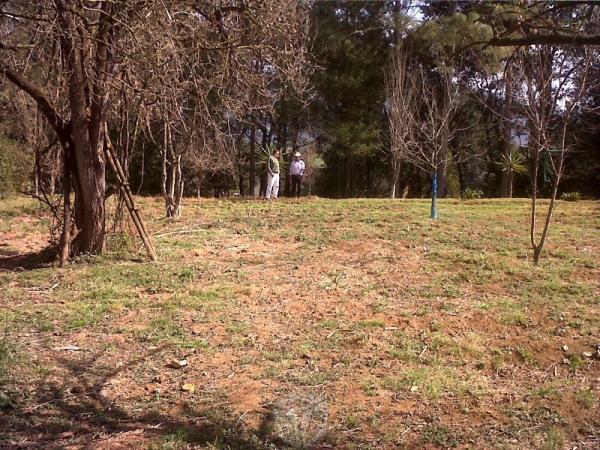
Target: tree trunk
[368,175]
[65,241]
[253,161]
[90,185]
[240,167]
[36,174]
[54,171]
[172,183]
[396,166]
[262,191]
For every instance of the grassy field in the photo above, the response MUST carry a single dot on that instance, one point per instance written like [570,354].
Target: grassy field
[419,333]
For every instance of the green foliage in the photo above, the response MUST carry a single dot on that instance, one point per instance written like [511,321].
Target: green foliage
[15,167]
[265,154]
[441,37]
[472,194]
[350,102]
[513,162]
[570,196]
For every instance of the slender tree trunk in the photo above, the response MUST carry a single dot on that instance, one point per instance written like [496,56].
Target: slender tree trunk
[65,241]
[534,183]
[348,188]
[253,160]
[240,167]
[368,175]
[287,157]
[172,182]
[36,174]
[510,181]
[179,185]
[505,133]
[54,171]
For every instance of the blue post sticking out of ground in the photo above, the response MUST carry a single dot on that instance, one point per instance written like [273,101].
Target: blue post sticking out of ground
[434,212]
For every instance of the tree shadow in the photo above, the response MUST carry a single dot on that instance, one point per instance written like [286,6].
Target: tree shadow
[28,261]
[62,416]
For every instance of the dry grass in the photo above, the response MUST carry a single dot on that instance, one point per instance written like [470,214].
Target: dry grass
[419,333]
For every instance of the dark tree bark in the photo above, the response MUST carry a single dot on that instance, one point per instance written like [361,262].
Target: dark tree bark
[252,160]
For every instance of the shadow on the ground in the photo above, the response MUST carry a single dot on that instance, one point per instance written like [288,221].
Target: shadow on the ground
[75,412]
[28,261]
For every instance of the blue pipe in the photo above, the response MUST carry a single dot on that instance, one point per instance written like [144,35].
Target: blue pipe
[434,211]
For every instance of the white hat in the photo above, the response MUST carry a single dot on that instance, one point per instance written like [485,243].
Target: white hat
[297,154]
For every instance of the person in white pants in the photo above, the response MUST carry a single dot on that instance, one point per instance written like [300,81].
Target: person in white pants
[273,176]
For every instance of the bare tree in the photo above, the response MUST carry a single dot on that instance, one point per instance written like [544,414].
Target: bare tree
[420,113]
[402,106]
[75,45]
[552,87]
[180,63]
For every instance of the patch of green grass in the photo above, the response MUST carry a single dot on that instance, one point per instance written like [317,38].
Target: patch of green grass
[434,382]
[554,440]
[369,324]
[209,300]
[439,435]
[576,362]
[513,312]
[168,329]
[7,358]
[329,324]
[352,422]
[369,387]
[405,347]
[549,391]
[278,355]
[89,313]
[238,327]
[310,378]
[525,355]
[177,440]
[585,397]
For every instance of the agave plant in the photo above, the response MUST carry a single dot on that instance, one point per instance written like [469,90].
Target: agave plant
[266,153]
[513,162]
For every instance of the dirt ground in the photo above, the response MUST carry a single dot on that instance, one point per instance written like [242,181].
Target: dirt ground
[418,333]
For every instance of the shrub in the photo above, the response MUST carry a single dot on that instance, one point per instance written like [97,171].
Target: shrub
[570,196]
[15,167]
[472,194]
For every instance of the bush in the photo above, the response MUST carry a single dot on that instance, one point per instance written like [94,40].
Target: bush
[15,167]
[472,194]
[570,196]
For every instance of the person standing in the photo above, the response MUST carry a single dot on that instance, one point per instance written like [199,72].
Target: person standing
[273,176]
[297,169]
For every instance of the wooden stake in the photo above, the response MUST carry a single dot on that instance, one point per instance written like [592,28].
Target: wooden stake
[128,195]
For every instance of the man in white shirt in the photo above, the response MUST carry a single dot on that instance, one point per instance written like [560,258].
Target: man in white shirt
[297,168]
